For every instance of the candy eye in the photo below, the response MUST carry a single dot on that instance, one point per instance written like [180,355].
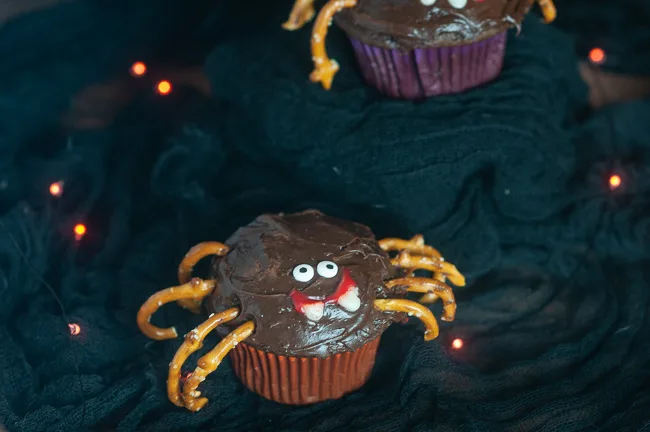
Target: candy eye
[428,2]
[458,4]
[327,269]
[303,273]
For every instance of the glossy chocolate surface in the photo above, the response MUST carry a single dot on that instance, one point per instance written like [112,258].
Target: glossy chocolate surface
[258,275]
[409,24]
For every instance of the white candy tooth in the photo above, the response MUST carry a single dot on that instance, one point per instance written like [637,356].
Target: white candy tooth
[350,300]
[314,311]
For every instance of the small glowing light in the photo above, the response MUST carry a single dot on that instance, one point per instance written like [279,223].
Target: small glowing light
[164,87]
[138,69]
[74,329]
[79,231]
[457,344]
[615,181]
[597,56]
[56,189]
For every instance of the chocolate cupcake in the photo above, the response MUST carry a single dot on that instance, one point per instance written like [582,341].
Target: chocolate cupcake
[412,49]
[304,299]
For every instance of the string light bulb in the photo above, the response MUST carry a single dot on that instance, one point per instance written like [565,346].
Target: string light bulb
[75,329]
[597,56]
[615,181]
[164,87]
[56,189]
[457,344]
[138,69]
[79,231]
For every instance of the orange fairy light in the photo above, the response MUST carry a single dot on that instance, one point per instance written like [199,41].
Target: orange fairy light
[597,56]
[615,181]
[138,69]
[79,231]
[457,344]
[56,189]
[164,87]
[75,329]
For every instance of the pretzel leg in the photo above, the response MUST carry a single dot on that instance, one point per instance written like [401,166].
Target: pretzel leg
[430,297]
[548,10]
[193,342]
[436,265]
[196,290]
[432,286]
[429,259]
[193,256]
[210,362]
[413,309]
[301,13]
[415,245]
[324,67]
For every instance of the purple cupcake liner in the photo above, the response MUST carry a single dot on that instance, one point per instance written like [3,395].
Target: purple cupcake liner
[425,72]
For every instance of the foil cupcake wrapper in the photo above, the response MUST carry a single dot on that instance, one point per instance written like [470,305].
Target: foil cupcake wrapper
[427,72]
[303,380]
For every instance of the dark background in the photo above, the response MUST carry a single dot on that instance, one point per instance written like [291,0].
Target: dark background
[509,180]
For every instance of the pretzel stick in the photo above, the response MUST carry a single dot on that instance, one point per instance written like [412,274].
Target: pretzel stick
[192,257]
[431,297]
[406,260]
[192,343]
[196,289]
[426,285]
[548,10]
[301,13]
[413,309]
[324,67]
[415,245]
[210,362]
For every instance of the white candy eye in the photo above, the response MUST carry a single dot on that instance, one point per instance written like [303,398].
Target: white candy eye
[428,2]
[303,273]
[458,4]
[327,269]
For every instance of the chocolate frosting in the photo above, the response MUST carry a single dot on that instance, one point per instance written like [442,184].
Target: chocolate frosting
[409,24]
[258,275]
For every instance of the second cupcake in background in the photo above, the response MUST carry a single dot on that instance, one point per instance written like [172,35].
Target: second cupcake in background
[413,49]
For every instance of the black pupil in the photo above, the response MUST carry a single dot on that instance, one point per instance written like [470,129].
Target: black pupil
[330,266]
[303,270]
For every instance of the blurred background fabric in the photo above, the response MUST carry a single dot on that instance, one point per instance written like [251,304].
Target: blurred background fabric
[511,181]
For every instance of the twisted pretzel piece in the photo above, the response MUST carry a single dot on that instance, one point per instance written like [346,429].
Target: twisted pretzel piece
[429,259]
[210,362]
[301,13]
[548,10]
[193,256]
[413,309]
[193,342]
[436,265]
[324,67]
[195,290]
[415,245]
[425,285]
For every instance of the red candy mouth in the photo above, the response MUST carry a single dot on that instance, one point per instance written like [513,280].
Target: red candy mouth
[313,307]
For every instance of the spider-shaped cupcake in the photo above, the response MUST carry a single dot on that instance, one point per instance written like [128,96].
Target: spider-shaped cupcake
[412,49]
[303,299]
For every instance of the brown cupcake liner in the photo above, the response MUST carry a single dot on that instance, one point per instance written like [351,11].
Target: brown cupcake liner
[303,380]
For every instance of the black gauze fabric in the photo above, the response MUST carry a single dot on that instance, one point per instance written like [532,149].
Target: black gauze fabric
[509,181]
